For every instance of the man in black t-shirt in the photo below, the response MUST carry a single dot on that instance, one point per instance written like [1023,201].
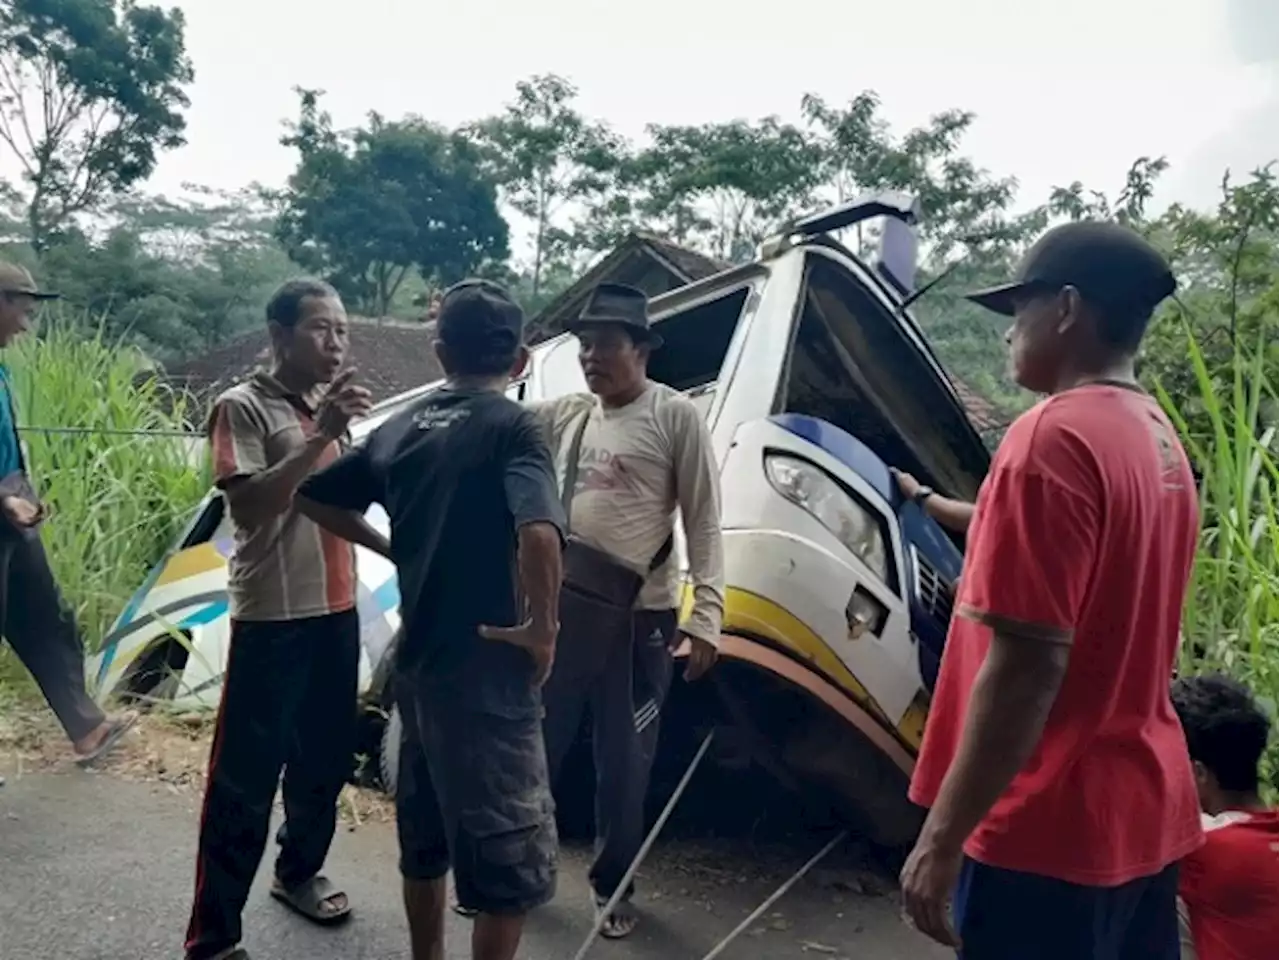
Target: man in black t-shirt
[476,534]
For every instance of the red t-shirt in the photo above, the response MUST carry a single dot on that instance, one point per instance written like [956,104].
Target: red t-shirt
[1086,528]
[1230,888]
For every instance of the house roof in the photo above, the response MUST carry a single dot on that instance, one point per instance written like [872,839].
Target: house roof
[984,416]
[643,260]
[390,358]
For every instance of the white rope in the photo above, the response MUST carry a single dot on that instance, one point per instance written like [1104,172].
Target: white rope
[603,915]
[774,897]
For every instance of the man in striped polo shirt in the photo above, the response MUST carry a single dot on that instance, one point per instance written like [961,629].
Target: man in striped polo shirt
[289,694]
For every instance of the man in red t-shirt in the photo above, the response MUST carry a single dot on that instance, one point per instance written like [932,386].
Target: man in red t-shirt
[1229,886]
[1060,791]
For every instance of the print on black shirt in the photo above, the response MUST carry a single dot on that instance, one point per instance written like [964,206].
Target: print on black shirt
[458,472]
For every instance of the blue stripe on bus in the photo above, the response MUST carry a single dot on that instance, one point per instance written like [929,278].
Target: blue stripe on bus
[384,598]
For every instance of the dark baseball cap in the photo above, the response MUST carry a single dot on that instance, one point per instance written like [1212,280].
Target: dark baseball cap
[1111,265]
[480,322]
[16,279]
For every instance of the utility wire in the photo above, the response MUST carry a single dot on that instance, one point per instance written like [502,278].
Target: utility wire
[108,432]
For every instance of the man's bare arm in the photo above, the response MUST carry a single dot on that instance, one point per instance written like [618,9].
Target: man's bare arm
[539,560]
[955,515]
[1012,696]
[347,524]
[259,497]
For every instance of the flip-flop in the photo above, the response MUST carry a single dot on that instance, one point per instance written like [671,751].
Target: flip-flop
[619,924]
[231,953]
[306,898]
[468,912]
[119,727]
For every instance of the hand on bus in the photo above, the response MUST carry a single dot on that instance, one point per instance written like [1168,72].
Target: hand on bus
[908,484]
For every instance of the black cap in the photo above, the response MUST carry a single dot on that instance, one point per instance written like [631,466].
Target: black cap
[1111,265]
[617,303]
[478,320]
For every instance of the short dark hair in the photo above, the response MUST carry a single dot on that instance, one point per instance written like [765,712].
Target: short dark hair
[1122,327]
[1226,729]
[285,306]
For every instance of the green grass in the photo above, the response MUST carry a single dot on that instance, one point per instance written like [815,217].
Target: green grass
[1232,617]
[118,500]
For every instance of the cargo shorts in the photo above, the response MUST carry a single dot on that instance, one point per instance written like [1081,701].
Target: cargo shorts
[473,793]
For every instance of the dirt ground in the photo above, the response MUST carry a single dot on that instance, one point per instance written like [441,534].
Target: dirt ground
[164,749]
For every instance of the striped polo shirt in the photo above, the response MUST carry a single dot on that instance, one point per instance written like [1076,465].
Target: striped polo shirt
[287,568]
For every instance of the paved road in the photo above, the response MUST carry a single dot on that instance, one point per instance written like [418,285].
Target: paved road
[93,867]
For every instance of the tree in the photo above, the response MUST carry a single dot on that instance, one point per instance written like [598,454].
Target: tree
[366,206]
[544,155]
[725,186]
[1130,206]
[90,92]
[1226,264]
[860,154]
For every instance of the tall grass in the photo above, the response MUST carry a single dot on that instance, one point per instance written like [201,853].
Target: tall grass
[118,499]
[1232,617]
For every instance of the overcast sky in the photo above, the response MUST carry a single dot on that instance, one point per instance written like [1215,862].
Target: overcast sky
[1061,91]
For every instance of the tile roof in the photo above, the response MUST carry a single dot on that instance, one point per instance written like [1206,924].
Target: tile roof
[692,265]
[986,419]
[632,262]
[391,357]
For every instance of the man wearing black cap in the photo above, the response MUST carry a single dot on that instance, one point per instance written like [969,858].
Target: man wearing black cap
[467,480]
[33,616]
[1060,791]
[630,453]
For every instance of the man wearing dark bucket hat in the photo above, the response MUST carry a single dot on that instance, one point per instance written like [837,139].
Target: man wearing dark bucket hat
[629,454]
[1059,788]
[33,616]
[466,477]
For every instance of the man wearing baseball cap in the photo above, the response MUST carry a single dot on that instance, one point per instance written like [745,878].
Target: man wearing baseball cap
[466,478]
[1056,774]
[33,616]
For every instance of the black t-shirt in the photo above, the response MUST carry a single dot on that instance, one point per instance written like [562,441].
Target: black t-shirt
[458,472]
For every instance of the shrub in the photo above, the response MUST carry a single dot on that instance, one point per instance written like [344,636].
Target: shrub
[1232,618]
[119,479]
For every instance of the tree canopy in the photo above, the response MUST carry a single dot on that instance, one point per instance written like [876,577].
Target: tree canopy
[366,206]
[396,208]
[90,92]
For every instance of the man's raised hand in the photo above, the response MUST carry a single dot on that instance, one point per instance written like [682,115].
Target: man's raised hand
[343,401]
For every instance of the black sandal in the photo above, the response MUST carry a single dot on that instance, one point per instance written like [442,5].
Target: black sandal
[308,899]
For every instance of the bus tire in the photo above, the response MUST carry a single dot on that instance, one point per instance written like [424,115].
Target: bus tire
[389,755]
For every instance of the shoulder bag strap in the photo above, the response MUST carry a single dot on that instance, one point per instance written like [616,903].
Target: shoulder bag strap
[664,552]
[571,467]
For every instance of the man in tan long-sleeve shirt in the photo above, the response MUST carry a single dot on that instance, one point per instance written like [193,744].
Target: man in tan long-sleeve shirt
[628,455]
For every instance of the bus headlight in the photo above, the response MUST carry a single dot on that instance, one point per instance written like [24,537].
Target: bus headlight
[817,492]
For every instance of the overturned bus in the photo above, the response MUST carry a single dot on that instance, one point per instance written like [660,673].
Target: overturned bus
[814,379]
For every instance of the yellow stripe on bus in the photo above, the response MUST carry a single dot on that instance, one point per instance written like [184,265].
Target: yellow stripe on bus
[191,563]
